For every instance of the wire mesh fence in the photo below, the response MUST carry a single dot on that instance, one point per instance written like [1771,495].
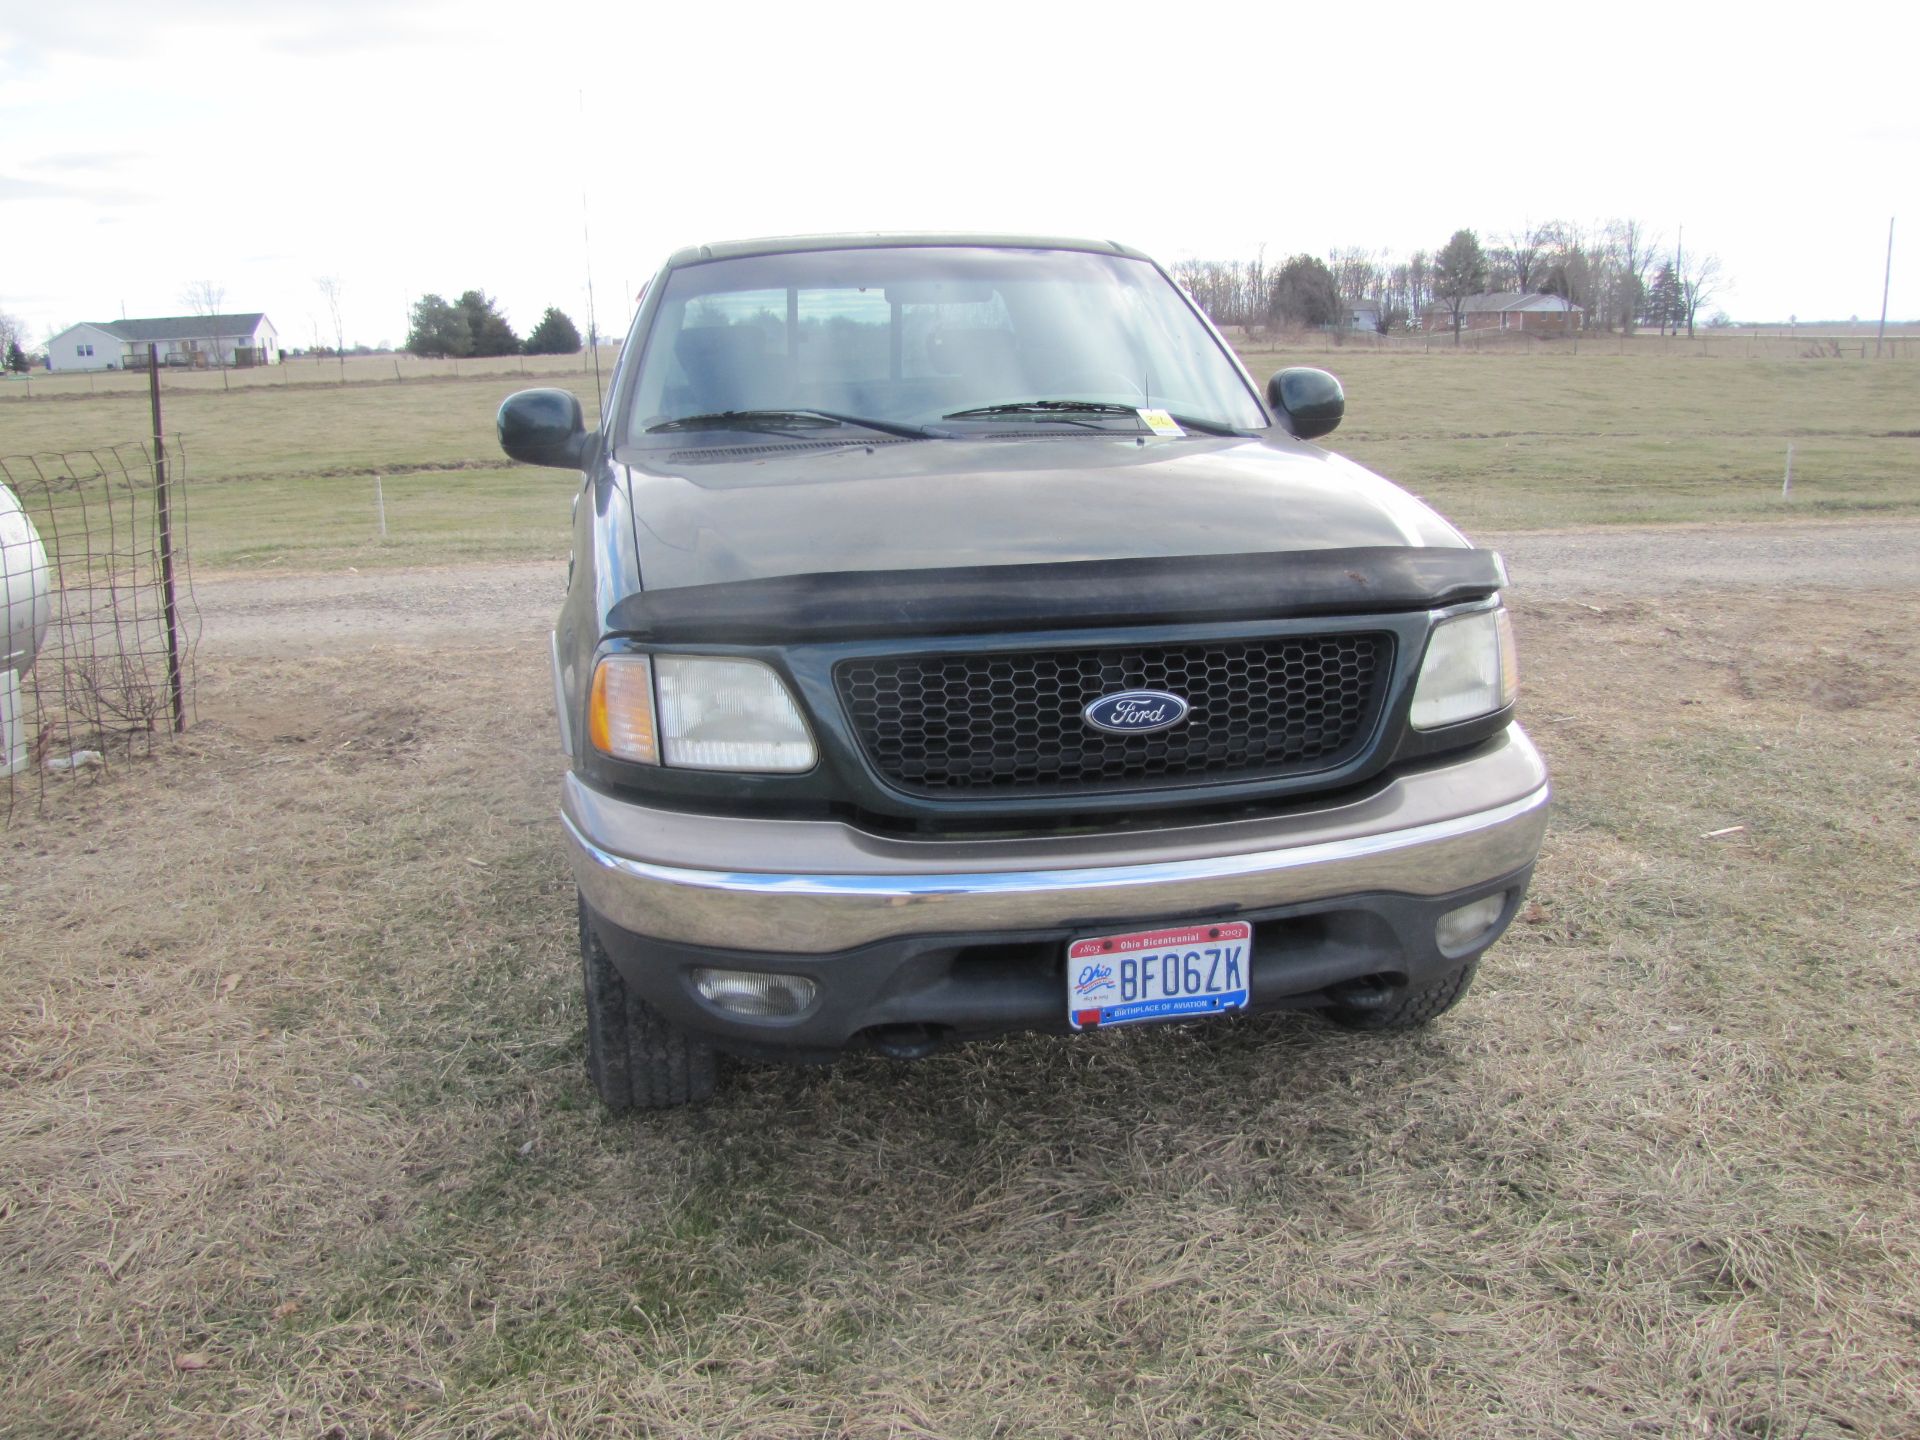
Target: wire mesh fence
[96,657]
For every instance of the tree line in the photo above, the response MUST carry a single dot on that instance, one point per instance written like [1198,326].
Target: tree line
[473,325]
[1620,273]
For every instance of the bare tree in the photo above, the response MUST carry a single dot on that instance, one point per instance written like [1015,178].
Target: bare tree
[1566,265]
[1514,260]
[1408,292]
[1357,272]
[1232,292]
[330,290]
[205,297]
[1699,282]
[1633,252]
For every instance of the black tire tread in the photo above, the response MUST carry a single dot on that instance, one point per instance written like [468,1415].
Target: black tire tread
[1412,1008]
[636,1057]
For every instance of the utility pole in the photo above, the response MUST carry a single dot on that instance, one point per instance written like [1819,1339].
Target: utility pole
[1885,287]
[1680,278]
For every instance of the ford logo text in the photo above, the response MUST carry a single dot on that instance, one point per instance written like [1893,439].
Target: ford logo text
[1135,712]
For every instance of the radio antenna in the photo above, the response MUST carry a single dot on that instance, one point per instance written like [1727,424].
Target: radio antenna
[586,250]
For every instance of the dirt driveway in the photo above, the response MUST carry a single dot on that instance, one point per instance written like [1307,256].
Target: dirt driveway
[298,1141]
[314,613]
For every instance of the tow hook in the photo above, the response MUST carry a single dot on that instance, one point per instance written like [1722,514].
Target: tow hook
[1364,994]
[904,1042]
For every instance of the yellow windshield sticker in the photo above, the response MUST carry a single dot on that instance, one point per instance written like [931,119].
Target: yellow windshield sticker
[1160,422]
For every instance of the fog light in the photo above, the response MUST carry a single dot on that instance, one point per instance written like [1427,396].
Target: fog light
[1458,928]
[754,994]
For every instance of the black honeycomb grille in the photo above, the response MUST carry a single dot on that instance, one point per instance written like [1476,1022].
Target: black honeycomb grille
[1011,722]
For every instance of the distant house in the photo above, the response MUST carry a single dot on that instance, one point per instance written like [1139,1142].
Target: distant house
[192,341]
[1363,315]
[1534,313]
[85,347]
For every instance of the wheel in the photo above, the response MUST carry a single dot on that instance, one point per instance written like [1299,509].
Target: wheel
[1407,1009]
[636,1057]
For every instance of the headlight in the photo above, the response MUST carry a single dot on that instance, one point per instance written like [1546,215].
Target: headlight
[1469,670]
[712,714]
[729,715]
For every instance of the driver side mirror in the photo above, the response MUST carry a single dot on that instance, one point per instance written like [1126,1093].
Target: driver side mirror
[1311,402]
[544,427]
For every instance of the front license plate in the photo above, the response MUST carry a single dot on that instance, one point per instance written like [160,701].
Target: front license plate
[1158,974]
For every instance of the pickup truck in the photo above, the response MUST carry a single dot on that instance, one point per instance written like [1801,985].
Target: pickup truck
[958,640]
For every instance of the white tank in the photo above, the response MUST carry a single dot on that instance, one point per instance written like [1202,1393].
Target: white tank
[26,587]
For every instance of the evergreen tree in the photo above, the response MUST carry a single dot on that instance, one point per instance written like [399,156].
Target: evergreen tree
[491,333]
[1459,270]
[16,358]
[554,335]
[439,329]
[1664,303]
[1304,293]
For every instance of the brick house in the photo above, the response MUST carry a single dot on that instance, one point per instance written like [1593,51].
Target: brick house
[1532,313]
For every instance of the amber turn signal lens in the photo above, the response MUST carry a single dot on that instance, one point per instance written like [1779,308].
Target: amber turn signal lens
[620,709]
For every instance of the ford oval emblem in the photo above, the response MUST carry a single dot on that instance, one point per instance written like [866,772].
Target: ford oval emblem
[1135,712]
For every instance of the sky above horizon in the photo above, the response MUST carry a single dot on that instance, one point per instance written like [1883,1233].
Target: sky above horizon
[409,146]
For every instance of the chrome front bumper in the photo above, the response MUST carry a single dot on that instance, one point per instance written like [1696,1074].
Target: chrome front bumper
[817,887]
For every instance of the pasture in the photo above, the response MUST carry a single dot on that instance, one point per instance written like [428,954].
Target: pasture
[282,475]
[298,1139]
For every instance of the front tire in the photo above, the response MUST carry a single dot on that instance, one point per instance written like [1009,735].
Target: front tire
[1410,1008]
[636,1057]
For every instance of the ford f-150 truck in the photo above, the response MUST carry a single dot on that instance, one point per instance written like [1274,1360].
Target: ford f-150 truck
[958,641]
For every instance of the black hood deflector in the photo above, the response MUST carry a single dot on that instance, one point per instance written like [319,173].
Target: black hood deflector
[1182,589]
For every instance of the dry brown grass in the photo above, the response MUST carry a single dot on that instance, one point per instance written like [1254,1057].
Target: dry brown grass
[291,1090]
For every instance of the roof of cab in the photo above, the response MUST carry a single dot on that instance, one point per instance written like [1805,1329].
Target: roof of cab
[890,240]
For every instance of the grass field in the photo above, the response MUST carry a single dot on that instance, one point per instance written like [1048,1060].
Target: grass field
[1514,441]
[282,475]
[299,1140]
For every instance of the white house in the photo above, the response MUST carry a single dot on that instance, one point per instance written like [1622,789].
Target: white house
[192,341]
[85,347]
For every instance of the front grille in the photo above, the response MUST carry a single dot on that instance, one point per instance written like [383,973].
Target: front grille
[1009,723]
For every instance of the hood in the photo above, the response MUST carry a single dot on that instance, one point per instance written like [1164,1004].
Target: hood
[757,512]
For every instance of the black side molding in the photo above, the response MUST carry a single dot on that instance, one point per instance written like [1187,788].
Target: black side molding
[869,604]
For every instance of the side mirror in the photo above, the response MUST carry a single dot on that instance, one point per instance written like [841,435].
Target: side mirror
[544,427]
[1311,402]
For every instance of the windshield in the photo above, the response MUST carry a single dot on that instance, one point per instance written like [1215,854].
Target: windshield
[918,337]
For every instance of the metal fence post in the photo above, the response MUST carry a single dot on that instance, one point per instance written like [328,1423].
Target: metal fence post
[165,512]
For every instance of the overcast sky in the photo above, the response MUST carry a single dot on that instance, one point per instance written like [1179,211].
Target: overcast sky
[413,145]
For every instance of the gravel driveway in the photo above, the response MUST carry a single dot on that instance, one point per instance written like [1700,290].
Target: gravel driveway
[323,612]
[1670,559]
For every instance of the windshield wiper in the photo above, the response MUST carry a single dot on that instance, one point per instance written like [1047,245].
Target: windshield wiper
[774,422]
[1045,407]
[1064,408]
